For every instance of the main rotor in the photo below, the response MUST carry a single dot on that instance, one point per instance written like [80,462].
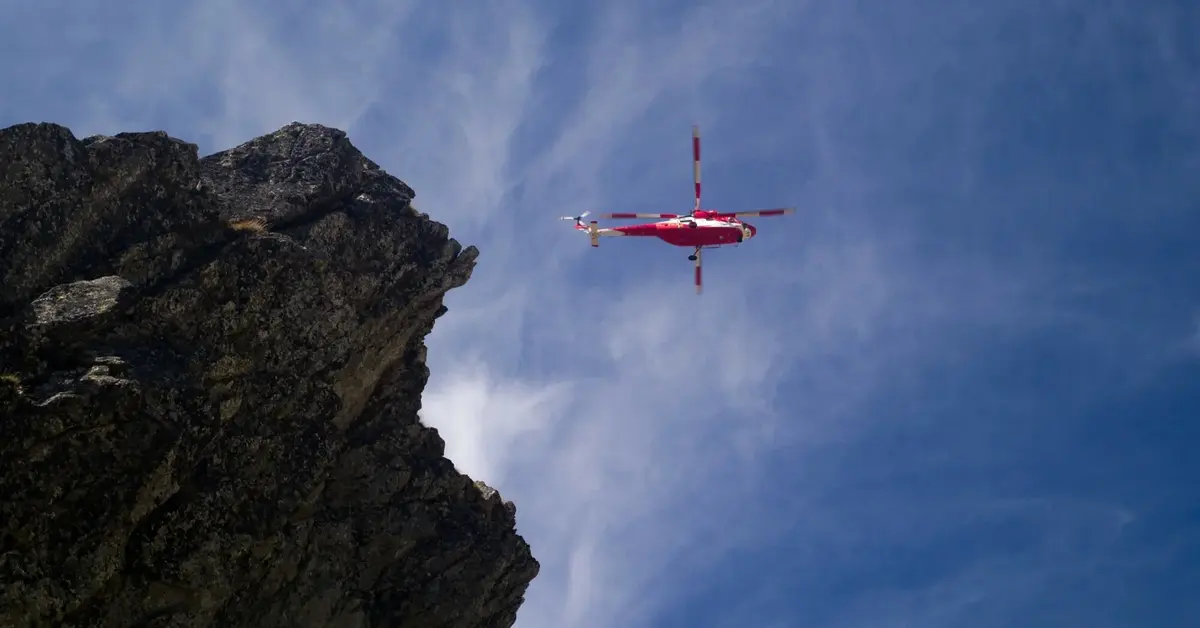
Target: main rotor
[696,165]
[695,178]
[696,205]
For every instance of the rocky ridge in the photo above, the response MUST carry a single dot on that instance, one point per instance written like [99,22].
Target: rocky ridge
[210,379]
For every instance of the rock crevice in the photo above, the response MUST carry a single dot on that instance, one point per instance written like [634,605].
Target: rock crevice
[210,379]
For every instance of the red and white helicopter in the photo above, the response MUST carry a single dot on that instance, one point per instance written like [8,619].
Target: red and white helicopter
[699,229]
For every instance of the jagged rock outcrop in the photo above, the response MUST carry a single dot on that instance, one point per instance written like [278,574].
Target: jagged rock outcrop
[210,377]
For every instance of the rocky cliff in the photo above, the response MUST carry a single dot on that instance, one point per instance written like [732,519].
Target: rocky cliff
[210,377]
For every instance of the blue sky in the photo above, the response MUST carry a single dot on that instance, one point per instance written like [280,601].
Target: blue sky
[956,388]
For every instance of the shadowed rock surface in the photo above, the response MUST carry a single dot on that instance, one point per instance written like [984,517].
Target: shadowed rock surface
[210,377]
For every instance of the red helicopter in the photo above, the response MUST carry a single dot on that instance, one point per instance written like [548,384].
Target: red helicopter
[699,229]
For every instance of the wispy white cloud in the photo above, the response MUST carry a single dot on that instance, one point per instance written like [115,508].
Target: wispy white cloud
[457,105]
[470,392]
[226,71]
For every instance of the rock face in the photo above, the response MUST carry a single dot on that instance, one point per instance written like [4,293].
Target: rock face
[210,378]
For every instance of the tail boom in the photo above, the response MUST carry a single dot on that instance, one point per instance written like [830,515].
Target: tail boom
[595,232]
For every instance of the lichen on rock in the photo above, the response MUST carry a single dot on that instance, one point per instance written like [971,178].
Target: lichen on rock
[210,380]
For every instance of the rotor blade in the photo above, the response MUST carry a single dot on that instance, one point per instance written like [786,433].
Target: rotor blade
[627,215]
[696,160]
[698,278]
[761,212]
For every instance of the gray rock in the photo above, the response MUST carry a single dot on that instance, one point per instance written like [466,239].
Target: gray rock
[210,379]
[78,301]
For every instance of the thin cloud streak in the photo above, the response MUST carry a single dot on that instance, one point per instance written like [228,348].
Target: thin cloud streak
[231,72]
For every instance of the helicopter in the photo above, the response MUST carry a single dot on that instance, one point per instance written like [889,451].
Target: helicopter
[698,229]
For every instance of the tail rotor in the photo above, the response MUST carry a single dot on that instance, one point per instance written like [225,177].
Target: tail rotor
[592,229]
[578,219]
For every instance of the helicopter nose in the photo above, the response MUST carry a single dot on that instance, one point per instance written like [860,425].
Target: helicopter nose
[750,230]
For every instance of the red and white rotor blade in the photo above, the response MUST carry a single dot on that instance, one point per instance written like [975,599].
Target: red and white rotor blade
[699,282]
[696,161]
[759,213]
[628,215]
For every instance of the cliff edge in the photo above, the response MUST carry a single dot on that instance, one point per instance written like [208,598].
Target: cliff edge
[210,377]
